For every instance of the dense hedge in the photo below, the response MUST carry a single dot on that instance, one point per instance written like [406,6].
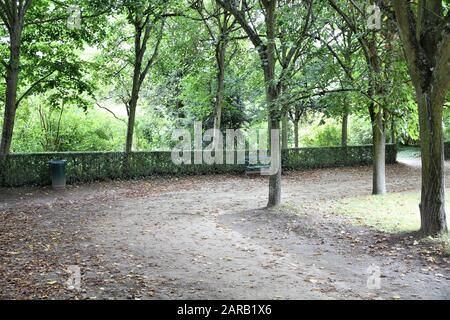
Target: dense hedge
[310,158]
[33,169]
[447,150]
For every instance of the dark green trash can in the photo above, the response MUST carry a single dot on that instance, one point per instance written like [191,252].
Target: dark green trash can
[58,173]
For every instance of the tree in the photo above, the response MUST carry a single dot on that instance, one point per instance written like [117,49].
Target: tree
[146,17]
[291,36]
[375,92]
[267,54]
[220,24]
[282,43]
[296,112]
[12,13]
[344,58]
[425,34]
[36,57]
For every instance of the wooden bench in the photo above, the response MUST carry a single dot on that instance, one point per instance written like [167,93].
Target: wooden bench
[253,164]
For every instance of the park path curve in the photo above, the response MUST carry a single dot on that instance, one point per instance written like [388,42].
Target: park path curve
[210,238]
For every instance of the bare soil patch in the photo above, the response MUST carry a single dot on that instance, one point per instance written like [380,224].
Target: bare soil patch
[210,238]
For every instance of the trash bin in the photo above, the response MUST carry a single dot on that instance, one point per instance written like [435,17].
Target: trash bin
[58,173]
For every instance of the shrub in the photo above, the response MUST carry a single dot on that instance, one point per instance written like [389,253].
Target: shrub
[33,169]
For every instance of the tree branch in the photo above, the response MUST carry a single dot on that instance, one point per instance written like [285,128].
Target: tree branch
[351,25]
[441,74]
[110,111]
[241,19]
[32,87]
[407,26]
[152,59]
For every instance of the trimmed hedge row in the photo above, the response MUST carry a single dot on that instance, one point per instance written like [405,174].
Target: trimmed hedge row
[33,169]
[311,158]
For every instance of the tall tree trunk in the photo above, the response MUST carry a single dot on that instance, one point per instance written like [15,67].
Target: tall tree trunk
[220,60]
[426,42]
[379,155]
[348,73]
[297,133]
[275,180]
[376,113]
[285,132]
[136,86]
[12,81]
[344,141]
[268,60]
[10,111]
[368,43]
[142,31]
[432,207]
[393,132]
[132,106]
[127,164]
[131,123]
[266,50]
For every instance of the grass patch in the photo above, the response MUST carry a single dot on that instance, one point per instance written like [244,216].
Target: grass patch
[392,213]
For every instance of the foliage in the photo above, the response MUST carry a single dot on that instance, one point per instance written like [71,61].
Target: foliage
[327,132]
[45,128]
[51,51]
[325,135]
[94,65]
[26,169]
[447,124]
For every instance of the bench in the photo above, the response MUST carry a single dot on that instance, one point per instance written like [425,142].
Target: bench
[253,164]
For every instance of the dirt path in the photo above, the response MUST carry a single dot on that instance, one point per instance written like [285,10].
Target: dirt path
[209,238]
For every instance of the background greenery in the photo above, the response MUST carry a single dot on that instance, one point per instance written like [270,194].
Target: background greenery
[80,107]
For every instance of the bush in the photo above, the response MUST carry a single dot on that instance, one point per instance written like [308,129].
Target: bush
[325,135]
[77,131]
[360,131]
[329,134]
[33,169]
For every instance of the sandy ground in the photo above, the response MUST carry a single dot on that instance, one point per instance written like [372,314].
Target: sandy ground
[210,238]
